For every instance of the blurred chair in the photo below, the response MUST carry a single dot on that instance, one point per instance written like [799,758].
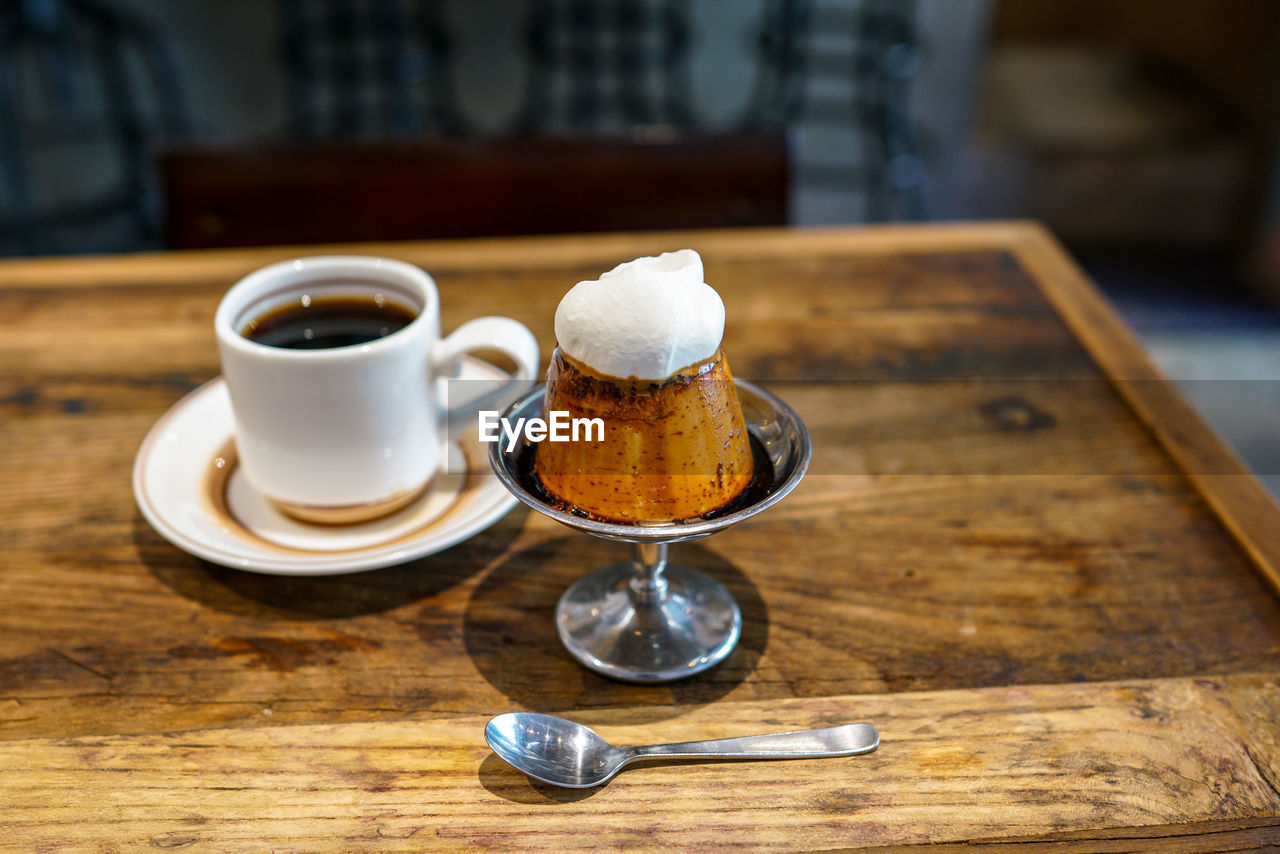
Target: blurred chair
[844,69]
[81,82]
[367,69]
[333,192]
[606,67]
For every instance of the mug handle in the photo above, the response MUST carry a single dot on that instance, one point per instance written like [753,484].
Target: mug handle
[507,336]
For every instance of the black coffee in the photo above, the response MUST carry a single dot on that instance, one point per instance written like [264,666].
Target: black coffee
[320,323]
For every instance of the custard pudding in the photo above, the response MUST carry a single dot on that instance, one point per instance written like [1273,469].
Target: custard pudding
[640,350]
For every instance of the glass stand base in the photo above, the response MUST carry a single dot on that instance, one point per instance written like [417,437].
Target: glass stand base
[648,629]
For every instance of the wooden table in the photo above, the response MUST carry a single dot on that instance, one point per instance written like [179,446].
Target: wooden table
[1018,552]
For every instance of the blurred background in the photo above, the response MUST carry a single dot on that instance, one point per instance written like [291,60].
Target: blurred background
[1144,133]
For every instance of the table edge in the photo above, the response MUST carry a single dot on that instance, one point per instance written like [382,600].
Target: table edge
[488,253]
[1236,496]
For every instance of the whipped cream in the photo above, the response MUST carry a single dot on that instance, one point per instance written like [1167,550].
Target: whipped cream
[646,319]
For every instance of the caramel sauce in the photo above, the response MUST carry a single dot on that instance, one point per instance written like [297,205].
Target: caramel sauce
[761,486]
[673,450]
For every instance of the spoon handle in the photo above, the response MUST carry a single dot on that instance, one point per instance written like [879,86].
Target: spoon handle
[843,740]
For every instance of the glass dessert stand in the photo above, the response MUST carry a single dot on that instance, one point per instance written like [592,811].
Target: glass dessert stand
[648,620]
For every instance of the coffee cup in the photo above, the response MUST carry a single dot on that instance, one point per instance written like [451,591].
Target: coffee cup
[336,368]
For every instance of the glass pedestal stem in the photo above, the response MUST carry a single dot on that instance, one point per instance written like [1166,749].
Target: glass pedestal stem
[649,585]
[646,620]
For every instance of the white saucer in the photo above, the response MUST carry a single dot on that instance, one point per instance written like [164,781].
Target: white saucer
[188,486]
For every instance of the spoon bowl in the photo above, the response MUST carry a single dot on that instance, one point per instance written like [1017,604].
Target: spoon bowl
[568,754]
[553,749]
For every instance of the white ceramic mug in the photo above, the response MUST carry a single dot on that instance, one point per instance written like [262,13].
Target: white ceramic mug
[348,433]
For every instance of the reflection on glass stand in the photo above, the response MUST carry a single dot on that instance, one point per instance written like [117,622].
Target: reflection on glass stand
[647,620]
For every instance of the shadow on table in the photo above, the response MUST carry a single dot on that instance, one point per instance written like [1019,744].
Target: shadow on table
[510,634]
[511,785]
[251,594]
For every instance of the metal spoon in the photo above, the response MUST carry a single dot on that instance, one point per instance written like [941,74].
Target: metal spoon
[564,753]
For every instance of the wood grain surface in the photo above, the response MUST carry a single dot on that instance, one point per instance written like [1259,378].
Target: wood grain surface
[1004,494]
[953,765]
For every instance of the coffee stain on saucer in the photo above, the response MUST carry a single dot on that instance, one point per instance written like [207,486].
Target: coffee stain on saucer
[222,465]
